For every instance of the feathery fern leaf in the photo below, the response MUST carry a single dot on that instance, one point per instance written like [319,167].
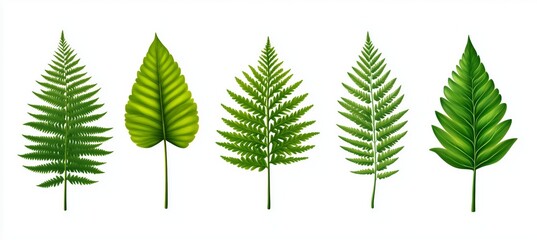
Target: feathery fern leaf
[161,107]
[377,126]
[64,119]
[472,127]
[267,129]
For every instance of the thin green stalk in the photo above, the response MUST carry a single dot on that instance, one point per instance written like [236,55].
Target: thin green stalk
[165,176]
[473,192]
[268,188]
[374,189]
[65,191]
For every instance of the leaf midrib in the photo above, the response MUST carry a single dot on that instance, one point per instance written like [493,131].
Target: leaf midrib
[67,117]
[268,130]
[161,97]
[373,116]
[474,121]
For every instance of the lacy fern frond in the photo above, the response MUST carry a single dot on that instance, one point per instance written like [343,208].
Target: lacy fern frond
[267,129]
[472,129]
[64,120]
[373,112]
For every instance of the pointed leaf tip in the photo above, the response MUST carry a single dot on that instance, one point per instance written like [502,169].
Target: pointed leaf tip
[469,45]
[368,39]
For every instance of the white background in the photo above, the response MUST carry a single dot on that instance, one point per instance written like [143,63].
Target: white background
[319,198]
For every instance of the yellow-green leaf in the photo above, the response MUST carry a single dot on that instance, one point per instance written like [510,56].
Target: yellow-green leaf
[161,107]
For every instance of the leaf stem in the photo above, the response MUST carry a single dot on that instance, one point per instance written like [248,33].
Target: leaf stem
[473,192]
[165,176]
[268,187]
[374,189]
[65,191]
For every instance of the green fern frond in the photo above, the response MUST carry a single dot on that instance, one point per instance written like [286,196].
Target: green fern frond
[63,120]
[266,129]
[472,127]
[377,126]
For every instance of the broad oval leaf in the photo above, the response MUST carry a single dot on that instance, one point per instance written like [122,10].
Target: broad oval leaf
[161,106]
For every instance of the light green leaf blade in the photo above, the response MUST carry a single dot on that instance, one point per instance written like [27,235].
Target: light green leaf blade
[160,107]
